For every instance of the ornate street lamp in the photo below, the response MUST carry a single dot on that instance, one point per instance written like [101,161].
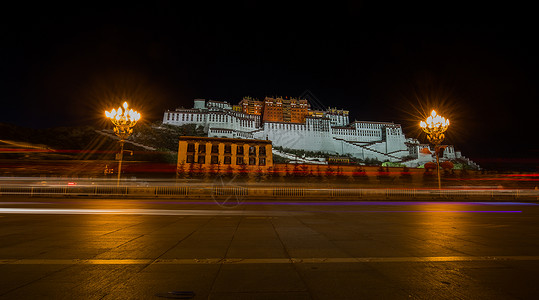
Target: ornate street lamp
[123,121]
[434,127]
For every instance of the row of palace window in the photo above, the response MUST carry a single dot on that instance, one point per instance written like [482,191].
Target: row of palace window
[369,125]
[356,132]
[228,149]
[185,117]
[227,160]
[211,118]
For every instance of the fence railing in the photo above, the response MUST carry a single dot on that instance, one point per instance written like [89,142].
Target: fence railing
[257,192]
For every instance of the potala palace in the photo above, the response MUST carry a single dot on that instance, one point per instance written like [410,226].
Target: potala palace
[291,123]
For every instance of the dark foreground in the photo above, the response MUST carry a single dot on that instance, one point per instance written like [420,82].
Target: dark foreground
[79,248]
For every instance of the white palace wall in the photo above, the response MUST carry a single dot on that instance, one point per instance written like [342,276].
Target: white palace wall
[332,134]
[296,136]
[212,118]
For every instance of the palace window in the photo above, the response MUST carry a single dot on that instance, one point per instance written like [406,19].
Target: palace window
[252,160]
[262,150]
[228,149]
[191,147]
[239,150]
[201,159]
[215,149]
[252,150]
[214,159]
[239,160]
[227,160]
[262,161]
[201,148]
[190,159]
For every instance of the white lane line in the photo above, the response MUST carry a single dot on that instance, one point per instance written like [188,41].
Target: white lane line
[190,212]
[160,212]
[23,203]
[215,261]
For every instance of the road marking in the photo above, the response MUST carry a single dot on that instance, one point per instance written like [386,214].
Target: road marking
[160,212]
[213,212]
[232,261]
[23,203]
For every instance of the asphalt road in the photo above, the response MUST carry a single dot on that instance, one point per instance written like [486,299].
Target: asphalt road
[60,248]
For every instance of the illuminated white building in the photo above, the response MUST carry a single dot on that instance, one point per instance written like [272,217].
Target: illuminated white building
[327,131]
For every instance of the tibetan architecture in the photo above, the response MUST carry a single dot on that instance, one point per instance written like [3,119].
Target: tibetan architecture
[291,123]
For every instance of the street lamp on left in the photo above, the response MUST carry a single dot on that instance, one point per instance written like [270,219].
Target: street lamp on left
[123,120]
[435,126]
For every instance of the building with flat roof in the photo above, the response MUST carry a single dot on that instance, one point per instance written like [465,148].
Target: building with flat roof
[285,110]
[290,123]
[251,106]
[224,153]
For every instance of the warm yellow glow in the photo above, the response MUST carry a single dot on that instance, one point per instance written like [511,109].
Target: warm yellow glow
[435,126]
[124,114]
[123,120]
[434,121]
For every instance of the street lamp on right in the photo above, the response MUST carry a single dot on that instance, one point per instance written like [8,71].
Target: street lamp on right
[435,126]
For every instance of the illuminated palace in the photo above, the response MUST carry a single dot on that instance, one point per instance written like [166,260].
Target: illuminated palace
[291,123]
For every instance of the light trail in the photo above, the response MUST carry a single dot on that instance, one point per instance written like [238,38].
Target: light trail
[159,212]
[348,203]
[427,211]
[192,212]
[232,261]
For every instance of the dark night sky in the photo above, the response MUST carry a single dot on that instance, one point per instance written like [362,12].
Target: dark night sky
[64,69]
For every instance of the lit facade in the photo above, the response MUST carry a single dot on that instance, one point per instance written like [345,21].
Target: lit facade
[298,127]
[273,110]
[285,110]
[224,153]
[251,106]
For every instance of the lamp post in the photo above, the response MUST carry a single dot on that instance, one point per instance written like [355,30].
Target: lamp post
[123,121]
[435,126]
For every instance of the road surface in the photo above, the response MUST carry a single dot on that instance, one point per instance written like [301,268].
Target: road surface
[82,248]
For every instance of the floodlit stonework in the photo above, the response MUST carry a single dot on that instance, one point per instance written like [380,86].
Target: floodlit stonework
[298,127]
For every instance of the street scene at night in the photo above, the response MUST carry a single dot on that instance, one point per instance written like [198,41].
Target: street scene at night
[260,151]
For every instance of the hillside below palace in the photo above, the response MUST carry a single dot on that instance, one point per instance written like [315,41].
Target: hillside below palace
[292,124]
